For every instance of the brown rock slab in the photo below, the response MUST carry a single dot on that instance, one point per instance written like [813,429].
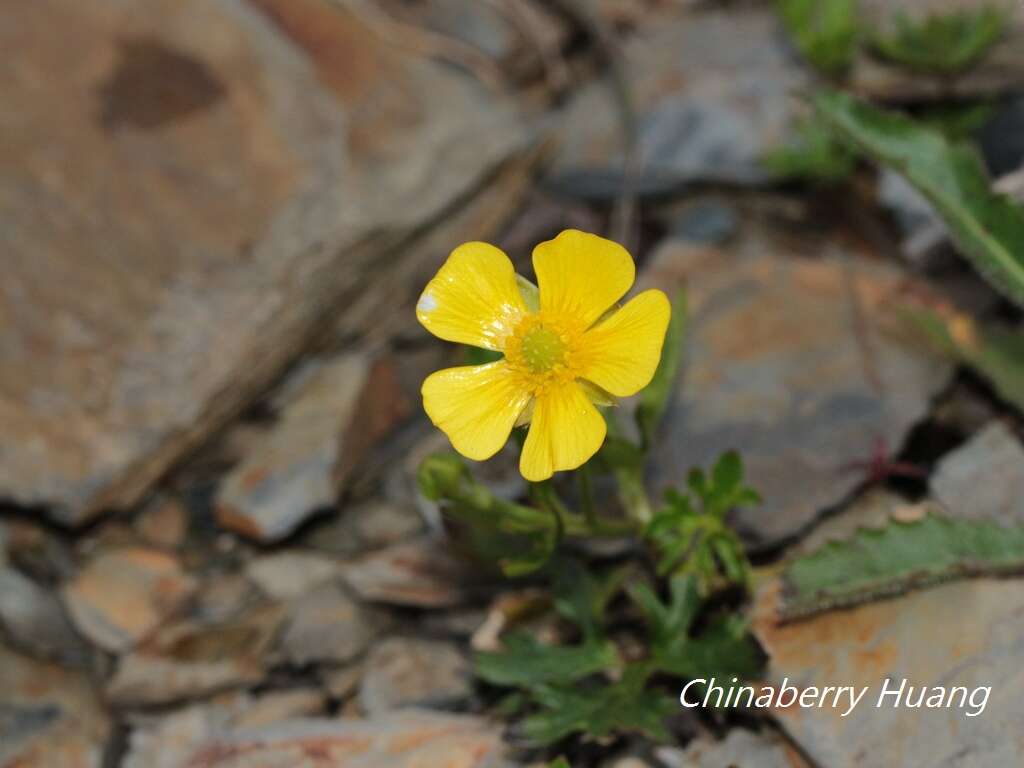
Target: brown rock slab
[402,672]
[222,177]
[739,748]
[327,625]
[406,739]
[984,478]
[167,741]
[275,706]
[191,660]
[163,523]
[421,573]
[961,634]
[712,91]
[802,364]
[49,716]
[300,466]
[122,595]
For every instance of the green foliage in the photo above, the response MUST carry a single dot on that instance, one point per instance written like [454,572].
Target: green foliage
[655,396]
[899,557]
[723,649]
[825,31]
[996,353]
[942,43]
[561,762]
[479,356]
[586,687]
[526,661]
[600,709]
[957,121]
[988,228]
[814,154]
[690,534]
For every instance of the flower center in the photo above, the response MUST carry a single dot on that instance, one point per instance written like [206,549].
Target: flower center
[542,349]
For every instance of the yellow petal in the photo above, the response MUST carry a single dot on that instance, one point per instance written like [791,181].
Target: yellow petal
[566,431]
[621,353]
[581,275]
[475,406]
[474,298]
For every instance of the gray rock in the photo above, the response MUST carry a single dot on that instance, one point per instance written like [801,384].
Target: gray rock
[123,594]
[402,672]
[961,634]
[712,91]
[740,748]
[984,478]
[801,364]
[420,573]
[49,716]
[302,462]
[191,660]
[327,625]
[370,525]
[203,233]
[34,621]
[290,574]
[404,739]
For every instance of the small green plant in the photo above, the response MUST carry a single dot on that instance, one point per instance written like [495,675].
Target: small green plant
[814,154]
[825,31]
[588,686]
[683,590]
[941,43]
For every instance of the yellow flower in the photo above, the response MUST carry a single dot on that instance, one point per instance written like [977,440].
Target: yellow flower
[563,350]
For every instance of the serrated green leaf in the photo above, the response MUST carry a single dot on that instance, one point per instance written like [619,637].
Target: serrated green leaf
[941,42]
[654,398]
[825,31]
[728,474]
[600,710]
[527,662]
[896,558]
[987,227]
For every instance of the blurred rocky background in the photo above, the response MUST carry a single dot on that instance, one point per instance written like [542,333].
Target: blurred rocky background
[215,219]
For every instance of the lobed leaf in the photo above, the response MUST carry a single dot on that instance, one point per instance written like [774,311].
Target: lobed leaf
[601,710]
[527,662]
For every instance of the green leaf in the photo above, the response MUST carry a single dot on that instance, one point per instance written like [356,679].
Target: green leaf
[825,31]
[943,42]
[988,228]
[899,557]
[479,356]
[814,153]
[525,661]
[655,396]
[724,649]
[600,710]
[560,762]
[995,352]
[581,596]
